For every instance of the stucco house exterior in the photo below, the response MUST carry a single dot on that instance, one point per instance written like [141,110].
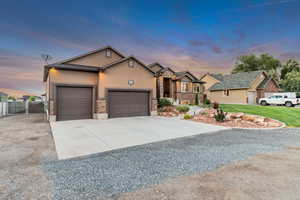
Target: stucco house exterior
[179,87]
[239,88]
[105,84]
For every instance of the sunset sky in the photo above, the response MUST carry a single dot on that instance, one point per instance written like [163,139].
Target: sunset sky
[200,36]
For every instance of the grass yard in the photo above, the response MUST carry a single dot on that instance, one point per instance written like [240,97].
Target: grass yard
[290,116]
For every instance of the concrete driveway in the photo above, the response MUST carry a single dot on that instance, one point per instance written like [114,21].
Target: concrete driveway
[83,137]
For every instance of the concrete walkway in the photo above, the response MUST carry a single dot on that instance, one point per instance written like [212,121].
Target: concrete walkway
[83,137]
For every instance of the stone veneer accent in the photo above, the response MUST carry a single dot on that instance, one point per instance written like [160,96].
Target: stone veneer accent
[101,106]
[51,109]
[154,105]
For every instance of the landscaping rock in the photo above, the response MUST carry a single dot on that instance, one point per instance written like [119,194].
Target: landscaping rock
[267,119]
[259,120]
[237,115]
[249,118]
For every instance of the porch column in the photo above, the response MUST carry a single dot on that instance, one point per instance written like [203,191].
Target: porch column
[101,103]
[161,87]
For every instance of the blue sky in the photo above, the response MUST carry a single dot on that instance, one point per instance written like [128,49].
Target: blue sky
[200,36]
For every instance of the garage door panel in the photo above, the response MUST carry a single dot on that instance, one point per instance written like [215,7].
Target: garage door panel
[74,103]
[128,103]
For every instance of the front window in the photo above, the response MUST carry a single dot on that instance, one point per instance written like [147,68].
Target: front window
[226,92]
[197,88]
[184,86]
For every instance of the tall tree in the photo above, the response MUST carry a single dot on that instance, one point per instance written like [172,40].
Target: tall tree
[266,62]
[291,65]
[291,83]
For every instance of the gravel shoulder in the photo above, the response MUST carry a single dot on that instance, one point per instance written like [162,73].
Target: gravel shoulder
[25,143]
[109,174]
[272,176]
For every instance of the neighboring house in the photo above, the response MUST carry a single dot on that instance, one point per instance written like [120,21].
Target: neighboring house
[99,84]
[240,88]
[180,87]
[3,97]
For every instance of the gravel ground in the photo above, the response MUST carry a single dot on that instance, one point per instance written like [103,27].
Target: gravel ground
[25,142]
[109,174]
[271,176]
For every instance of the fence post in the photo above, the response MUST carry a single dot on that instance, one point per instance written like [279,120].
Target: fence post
[27,107]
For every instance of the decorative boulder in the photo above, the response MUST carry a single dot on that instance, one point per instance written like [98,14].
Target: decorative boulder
[249,118]
[259,119]
[267,119]
[237,115]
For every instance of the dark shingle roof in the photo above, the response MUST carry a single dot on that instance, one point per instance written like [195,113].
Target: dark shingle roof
[236,81]
[217,76]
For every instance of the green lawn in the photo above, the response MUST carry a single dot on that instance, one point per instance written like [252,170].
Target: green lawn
[290,116]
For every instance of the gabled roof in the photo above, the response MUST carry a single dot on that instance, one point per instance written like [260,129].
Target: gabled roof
[155,64]
[236,81]
[218,77]
[184,73]
[3,94]
[89,53]
[265,82]
[103,68]
[166,69]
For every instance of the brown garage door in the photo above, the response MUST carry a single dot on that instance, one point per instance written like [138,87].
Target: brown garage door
[128,103]
[74,103]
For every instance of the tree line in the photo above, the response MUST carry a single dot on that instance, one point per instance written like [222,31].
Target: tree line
[286,74]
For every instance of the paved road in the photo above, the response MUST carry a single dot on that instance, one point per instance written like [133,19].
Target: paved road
[111,173]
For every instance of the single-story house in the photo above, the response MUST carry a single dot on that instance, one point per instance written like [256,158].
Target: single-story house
[104,84]
[180,87]
[239,88]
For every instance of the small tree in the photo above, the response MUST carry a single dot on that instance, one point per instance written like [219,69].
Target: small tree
[290,66]
[291,83]
[11,98]
[32,98]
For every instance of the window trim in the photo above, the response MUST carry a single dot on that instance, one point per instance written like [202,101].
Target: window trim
[226,93]
[184,86]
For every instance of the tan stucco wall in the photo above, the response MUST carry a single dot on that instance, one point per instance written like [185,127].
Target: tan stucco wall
[235,96]
[97,59]
[47,88]
[256,82]
[72,77]
[118,76]
[210,81]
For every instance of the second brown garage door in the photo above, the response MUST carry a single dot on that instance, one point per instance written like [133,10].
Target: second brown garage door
[74,103]
[128,103]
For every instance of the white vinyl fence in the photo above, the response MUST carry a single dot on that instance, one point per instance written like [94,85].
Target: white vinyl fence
[3,109]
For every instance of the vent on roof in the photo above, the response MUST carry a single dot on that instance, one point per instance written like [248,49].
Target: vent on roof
[108,53]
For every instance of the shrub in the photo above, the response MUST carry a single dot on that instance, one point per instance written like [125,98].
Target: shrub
[183,109]
[167,109]
[215,105]
[187,116]
[164,102]
[220,115]
[203,113]
[32,98]
[207,102]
